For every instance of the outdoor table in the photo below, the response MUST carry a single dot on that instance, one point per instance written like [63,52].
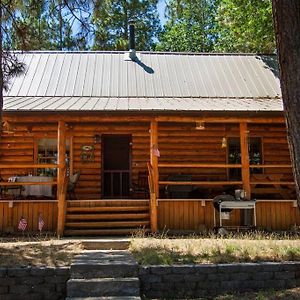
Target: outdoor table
[35,190]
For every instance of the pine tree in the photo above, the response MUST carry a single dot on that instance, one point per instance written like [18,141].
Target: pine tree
[111,19]
[190,26]
[245,26]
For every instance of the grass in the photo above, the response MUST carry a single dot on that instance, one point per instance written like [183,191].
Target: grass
[290,294]
[35,251]
[255,247]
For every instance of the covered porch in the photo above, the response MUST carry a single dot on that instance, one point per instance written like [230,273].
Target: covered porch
[192,159]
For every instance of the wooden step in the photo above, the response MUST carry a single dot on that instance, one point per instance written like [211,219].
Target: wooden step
[110,202]
[107,224]
[107,216]
[108,209]
[99,232]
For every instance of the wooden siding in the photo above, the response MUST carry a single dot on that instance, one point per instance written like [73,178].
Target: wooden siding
[194,215]
[10,217]
[177,142]
[89,186]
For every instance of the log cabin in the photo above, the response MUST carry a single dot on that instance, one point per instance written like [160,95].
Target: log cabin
[105,143]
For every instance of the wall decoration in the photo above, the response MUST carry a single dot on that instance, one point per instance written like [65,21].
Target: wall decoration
[87,153]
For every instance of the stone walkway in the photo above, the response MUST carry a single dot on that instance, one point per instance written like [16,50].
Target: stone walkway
[104,274]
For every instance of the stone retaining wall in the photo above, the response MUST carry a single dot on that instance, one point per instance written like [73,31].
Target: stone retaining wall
[33,283]
[192,281]
[181,281]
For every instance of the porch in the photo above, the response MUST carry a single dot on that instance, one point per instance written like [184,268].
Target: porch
[204,150]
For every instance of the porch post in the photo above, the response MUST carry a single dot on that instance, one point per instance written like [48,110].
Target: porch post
[245,159]
[154,164]
[61,175]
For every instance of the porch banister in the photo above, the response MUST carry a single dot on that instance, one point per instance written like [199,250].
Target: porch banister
[245,159]
[153,154]
[61,175]
[154,194]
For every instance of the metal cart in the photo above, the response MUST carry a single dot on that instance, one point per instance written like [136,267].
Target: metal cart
[225,205]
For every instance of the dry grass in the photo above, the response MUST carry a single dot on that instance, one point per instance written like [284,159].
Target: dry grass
[151,251]
[25,252]
[291,294]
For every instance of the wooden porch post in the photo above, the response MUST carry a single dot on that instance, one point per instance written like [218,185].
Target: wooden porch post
[61,174]
[154,164]
[245,159]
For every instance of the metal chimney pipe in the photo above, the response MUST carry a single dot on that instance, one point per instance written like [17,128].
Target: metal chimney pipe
[131,36]
[132,53]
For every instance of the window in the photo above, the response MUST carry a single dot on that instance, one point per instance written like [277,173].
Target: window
[234,155]
[47,154]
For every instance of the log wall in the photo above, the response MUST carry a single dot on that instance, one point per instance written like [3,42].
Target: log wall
[197,215]
[178,143]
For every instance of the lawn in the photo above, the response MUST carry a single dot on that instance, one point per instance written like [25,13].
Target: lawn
[291,294]
[194,250]
[51,252]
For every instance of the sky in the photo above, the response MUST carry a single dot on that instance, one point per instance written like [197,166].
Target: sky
[161,10]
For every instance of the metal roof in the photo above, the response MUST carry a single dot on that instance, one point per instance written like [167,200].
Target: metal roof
[105,81]
[140,104]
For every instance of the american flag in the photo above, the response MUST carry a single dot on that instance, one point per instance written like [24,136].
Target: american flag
[41,222]
[22,224]
[156,152]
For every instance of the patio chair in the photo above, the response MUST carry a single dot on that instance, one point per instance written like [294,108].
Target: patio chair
[179,191]
[141,188]
[13,191]
[73,180]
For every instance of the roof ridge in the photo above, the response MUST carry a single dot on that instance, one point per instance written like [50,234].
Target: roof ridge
[145,52]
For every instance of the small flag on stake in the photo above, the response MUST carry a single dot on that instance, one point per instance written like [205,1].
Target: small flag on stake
[22,224]
[41,223]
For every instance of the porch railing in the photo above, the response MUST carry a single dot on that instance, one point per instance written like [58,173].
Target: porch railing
[153,199]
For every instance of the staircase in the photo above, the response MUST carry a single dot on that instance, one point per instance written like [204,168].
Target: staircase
[106,217]
[103,274]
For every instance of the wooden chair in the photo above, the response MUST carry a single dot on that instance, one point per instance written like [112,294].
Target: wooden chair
[179,191]
[8,191]
[73,180]
[140,190]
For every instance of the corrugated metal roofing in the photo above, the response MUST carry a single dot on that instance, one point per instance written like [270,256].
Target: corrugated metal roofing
[104,81]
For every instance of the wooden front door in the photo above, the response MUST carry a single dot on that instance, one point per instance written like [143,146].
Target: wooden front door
[116,166]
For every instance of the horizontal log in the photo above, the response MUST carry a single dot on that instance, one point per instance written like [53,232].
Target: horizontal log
[85,117]
[172,165]
[24,201]
[271,166]
[208,183]
[35,166]
[107,224]
[262,120]
[111,216]
[272,182]
[2,183]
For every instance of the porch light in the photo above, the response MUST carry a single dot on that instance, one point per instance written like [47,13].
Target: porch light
[224,142]
[200,125]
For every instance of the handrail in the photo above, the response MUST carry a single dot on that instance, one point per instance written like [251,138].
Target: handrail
[270,166]
[200,182]
[172,165]
[3,183]
[153,200]
[150,178]
[30,166]
[225,166]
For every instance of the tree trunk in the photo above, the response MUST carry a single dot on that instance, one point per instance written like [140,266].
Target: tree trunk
[286,14]
[1,70]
